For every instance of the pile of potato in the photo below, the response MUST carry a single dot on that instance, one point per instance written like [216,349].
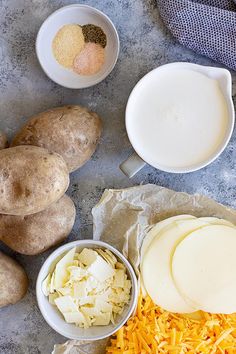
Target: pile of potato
[35,213]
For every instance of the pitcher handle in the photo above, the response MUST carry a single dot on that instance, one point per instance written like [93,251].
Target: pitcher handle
[132,165]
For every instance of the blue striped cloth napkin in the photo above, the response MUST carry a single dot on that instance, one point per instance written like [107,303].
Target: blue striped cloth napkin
[206,26]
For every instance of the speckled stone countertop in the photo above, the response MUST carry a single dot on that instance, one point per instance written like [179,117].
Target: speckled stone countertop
[25,90]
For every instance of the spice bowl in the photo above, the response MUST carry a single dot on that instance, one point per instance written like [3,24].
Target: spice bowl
[82,15]
[53,316]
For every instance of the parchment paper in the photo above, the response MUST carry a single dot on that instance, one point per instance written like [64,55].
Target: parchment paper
[123,216]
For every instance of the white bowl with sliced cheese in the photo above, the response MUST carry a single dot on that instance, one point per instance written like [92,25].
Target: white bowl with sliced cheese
[75,283]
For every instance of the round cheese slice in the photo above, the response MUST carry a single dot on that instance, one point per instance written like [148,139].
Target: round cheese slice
[156,266]
[158,228]
[154,233]
[216,221]
[204,268]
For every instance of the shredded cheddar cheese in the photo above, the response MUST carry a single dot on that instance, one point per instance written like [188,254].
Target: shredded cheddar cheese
[154,330]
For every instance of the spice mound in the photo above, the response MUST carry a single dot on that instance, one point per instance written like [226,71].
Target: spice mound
[89,288]
[94,34]
[90,59]
[80,48]
[68,42]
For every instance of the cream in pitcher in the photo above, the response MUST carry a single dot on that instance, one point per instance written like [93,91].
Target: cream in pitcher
[177,118]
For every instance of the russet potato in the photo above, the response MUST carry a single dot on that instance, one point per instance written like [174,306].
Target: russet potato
[31,179]
[3,141]
[13,281]
[34,234]
[71,131]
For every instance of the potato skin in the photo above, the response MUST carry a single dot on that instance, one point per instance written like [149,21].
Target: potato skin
[13,281]
[34,234]
[31,179]
[3,141]
[71,131]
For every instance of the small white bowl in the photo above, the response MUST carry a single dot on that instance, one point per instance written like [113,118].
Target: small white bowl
[53,316]
[79,14]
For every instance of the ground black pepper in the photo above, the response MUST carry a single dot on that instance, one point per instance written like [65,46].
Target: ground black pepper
[94,34]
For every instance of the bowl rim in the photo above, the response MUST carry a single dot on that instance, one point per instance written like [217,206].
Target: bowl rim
[231,115]
[79,243]
[100,13]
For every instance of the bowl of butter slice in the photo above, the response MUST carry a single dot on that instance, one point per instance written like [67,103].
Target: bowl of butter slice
[86,290]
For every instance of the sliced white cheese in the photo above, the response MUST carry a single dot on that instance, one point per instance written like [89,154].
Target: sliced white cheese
[204,268]
[65,291]
[108,256]
[111,255]
[91,283]
[118,290]
[90,311]
[52,287]
[157,228]
[216,221]
[46,285]
[103,319]
[100,269]
[52,298]
[103,306]
[117,309]
[61,273]
[118,298]
[87,300]
[74,317]
[113,317]
[77,273]
[104,296]
[109,281]
[75,262]
[79,290]
[119,278]
[65,304]
[82,285]
[120,265]
[156,266]
[87,256]
[127,286]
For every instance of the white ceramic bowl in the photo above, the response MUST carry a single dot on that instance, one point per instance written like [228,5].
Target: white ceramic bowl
[133,164]
[80,14]
[53,316]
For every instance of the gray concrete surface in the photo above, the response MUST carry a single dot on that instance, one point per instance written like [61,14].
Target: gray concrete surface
[25,90]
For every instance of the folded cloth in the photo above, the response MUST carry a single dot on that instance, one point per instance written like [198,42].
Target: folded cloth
[205,26]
